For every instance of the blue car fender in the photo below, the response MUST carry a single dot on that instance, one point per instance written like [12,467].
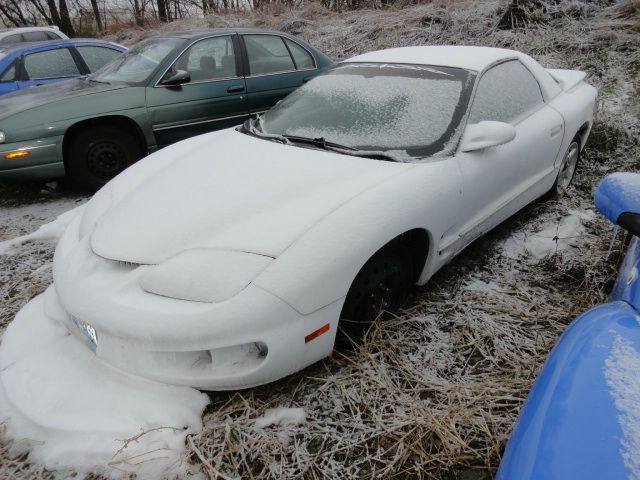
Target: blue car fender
[583,412]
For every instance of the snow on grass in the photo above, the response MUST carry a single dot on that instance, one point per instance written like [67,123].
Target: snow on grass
[49,231]
[280,416]
[555,236]
[71,412]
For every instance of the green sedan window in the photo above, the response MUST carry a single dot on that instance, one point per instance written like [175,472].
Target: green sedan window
[209,59]
[267,54]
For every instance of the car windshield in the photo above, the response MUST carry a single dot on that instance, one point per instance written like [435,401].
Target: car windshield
[137,64]
[405,109]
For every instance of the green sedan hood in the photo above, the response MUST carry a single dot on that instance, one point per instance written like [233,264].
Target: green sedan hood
[58,92]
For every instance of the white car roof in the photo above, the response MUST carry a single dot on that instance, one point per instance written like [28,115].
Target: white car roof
[456,56]
[13,30]
[471,58]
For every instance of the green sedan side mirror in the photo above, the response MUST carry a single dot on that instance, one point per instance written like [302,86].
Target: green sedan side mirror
[174,78]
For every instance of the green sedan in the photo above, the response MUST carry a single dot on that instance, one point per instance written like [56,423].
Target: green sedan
[163,90]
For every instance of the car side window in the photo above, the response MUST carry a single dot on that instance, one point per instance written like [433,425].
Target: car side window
[35,36]
[52,36]
[267,54]
[505,93]
[9,39]
[9,75]
[209,59]
[96,57]
[50,64]
[302,58]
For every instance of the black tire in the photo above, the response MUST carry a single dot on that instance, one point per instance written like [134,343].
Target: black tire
[97,154]
[382,284]
[568,167]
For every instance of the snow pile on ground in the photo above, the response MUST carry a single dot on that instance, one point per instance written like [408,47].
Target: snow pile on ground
[555,236]
[49,231]
[280,416]
[72,412]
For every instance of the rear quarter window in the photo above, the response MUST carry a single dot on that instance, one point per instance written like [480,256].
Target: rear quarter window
[505,93]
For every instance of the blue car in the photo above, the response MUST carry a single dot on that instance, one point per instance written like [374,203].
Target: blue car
[582,417]
[25,65]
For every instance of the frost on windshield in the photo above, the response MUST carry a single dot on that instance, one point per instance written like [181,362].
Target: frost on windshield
[372,112]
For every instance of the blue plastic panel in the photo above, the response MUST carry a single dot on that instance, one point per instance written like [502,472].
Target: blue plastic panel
[618,193]
[570,427]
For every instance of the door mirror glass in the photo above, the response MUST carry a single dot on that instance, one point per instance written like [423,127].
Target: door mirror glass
[478,136]
[617,197]
[174,78]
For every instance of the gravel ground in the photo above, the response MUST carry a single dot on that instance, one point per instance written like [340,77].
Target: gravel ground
[434,390]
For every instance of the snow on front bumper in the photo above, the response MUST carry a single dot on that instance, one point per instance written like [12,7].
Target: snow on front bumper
[250,339]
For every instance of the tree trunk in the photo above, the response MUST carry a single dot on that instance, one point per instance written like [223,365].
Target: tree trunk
[162,11]
[96,14]
[65,20]
[53,9]
[137,13]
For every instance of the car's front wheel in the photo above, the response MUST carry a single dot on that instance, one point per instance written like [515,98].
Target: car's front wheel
[382,284]
[97,154]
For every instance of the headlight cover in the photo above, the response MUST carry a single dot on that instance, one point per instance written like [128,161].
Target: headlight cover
[204,275]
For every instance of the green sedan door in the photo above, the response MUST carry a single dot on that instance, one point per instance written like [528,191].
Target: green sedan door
[276,67]
[213,97]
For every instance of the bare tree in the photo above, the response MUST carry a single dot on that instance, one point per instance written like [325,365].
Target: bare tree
[96,14]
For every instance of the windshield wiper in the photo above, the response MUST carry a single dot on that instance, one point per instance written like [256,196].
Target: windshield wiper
[322,143]
[317,142]
[253,126]
[90,79]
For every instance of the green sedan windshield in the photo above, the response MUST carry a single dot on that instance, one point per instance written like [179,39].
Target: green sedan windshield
[139,63]
[407,109]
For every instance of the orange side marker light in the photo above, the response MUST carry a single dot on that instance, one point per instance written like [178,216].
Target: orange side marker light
[20,154]
[317,333]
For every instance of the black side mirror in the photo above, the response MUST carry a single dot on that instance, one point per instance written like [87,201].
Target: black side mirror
[174,78]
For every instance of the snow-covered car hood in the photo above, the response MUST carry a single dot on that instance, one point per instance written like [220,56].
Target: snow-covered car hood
[227,190]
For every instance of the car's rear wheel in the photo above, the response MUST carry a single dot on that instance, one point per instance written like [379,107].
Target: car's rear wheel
[382,284]
[567,170]
[97,154]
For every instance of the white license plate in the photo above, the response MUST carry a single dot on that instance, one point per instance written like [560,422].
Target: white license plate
[87,331]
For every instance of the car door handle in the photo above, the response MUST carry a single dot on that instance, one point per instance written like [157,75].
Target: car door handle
[555,130]
[235,89]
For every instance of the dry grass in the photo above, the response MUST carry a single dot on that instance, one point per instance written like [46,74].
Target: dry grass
[433,391]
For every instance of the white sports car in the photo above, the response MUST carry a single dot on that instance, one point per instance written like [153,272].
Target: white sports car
[230,259]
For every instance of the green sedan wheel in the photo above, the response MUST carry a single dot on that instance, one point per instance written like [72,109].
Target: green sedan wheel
[97,154]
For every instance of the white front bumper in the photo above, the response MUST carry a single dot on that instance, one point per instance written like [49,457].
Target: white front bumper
[205,345]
